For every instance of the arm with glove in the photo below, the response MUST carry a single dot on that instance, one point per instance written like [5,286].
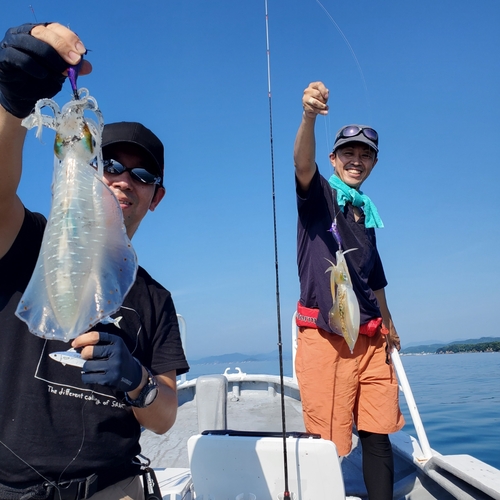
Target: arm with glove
[110,363]
[33,61]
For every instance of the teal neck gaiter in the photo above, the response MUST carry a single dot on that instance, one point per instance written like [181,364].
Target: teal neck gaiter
[358,199]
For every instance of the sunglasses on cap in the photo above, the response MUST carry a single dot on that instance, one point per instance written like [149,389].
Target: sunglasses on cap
[114,167]
[354,130]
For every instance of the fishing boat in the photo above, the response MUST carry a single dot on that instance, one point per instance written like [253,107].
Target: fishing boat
[241,436]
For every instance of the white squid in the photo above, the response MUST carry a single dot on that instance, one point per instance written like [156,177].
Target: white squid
[86,264]
[344,316]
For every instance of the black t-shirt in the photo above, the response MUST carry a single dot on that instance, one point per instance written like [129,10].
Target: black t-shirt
[49,420]
[317,209]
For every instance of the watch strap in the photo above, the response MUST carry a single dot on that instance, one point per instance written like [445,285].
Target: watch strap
[145,397]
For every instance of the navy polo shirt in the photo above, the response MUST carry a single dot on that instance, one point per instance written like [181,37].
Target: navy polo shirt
[317,209]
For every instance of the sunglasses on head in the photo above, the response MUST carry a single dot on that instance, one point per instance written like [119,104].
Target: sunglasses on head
[114,167]
[354,130]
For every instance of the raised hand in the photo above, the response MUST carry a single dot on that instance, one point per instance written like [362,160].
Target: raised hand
[33,63]
[314,100]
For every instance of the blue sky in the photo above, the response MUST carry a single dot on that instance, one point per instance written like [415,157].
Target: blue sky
[196,73]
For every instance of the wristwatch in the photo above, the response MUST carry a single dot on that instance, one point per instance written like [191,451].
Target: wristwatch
[147,395]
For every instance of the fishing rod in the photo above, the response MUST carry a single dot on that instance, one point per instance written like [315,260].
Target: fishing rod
[286,493]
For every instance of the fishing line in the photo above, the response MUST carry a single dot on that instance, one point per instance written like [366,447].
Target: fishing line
[360,70]
[48,481]
[24,462]
[326,121]
[286,493]
[34,15]
[79,449]
[350,48]
[138,331]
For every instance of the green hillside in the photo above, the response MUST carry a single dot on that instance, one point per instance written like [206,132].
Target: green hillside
[482,347]
[483,344]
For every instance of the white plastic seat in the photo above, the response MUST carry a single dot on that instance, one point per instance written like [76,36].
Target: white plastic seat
[223,466]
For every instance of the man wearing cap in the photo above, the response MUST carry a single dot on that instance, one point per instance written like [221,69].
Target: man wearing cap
[66,432]
[340,388]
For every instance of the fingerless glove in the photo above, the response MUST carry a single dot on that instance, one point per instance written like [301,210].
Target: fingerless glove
[112,365]
[29,70]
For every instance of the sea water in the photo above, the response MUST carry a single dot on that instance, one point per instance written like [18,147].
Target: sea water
[457,395]
[458,398]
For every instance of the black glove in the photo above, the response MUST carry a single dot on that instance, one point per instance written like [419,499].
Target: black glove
[29,70]
[112,365]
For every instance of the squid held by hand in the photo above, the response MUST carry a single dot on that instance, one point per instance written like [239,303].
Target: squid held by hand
[344,316]
[86,264]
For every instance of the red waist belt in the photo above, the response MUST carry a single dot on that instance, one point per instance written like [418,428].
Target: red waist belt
[308,317]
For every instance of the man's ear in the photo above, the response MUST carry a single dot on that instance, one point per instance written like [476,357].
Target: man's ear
[333,157]
[158,196]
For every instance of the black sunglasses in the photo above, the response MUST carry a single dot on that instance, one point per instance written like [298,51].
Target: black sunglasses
[354,130]
[114,167]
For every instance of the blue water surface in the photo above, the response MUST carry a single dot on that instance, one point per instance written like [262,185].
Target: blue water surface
[457,395]
[458,398]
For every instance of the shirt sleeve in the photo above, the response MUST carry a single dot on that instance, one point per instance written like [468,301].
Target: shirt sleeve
[377,279]
[168,353]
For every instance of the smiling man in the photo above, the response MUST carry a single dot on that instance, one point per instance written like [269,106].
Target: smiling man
[133,169]
[69,433]
[339,388]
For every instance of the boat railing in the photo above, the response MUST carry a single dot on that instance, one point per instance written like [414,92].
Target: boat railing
[182,330]
[404,386]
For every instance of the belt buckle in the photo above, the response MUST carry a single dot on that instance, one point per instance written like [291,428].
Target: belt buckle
[77,489]
[69,490]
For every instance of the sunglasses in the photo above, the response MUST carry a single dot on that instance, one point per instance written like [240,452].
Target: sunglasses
[354,130]
[114,167]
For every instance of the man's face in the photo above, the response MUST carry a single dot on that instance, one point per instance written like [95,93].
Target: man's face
[353,163]
[135,197]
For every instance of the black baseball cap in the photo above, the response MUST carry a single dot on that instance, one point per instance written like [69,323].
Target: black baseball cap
[356,133]
[135,133]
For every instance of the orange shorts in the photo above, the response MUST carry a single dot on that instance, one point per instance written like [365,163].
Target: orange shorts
[339,388]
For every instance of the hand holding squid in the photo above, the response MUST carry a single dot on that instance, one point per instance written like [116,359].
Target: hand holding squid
[344,316]
[86,264]
[31,68]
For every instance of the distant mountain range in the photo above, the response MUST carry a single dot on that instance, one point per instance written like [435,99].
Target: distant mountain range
[448,347]
[412,348]
[237,357]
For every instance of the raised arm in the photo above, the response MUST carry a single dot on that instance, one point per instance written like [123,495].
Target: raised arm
[32,61]
[11,209]
[314,102]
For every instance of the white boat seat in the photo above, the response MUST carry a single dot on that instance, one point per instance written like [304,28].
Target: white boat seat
[226,463]
[211,402]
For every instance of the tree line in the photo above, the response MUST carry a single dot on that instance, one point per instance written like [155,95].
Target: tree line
[456,348]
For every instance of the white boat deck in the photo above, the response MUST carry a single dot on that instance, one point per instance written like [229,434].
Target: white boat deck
[256,409]
[254,404]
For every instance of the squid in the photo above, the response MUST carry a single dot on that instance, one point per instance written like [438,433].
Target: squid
[86,264]
[344,316]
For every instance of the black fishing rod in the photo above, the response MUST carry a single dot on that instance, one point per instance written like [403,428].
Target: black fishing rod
[286,493]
